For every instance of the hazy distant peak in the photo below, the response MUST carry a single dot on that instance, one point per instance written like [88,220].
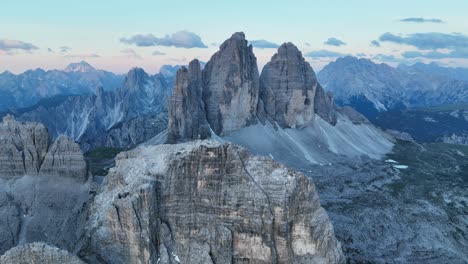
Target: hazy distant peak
[82,66]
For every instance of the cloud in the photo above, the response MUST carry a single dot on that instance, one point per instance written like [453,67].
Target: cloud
[307,44]
[158,53]
[82,56]
[180,39]
[324,54]
[386,58]
[50,50]
[263,44]
[334,42]
[426,41]
[64,49]
[422,20]
[131,53]
[375,43]
[360,54]
[16,45]
[461,53]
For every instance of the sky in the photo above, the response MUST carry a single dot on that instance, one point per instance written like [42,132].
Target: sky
[118,35]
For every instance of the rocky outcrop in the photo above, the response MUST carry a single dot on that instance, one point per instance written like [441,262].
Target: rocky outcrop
[231,85]
[38,253]
[64,159]
[287,88]
[23,147]
[324,105]
[204,202]
[187,118]
[44,188]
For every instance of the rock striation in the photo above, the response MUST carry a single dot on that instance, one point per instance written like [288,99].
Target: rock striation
[38,253]
[187,119]
[231,86]
[207,202]
[229,95]
[44,187]
[287,88]
[24,147]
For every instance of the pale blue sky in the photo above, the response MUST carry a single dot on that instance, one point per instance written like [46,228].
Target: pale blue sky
[92,30]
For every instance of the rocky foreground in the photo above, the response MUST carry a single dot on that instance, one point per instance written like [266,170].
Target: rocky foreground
[197,202]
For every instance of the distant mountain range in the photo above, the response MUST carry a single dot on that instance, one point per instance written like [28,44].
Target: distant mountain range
[372,88]
[28,88]
[427,101]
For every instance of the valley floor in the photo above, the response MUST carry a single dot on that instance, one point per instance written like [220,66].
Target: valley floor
[382,214]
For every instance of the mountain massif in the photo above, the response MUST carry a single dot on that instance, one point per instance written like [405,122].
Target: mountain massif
[371,88]
[126,116]
[425,100]
[26,89]
[209,187]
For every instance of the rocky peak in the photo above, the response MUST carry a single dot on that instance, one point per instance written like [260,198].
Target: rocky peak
[287,88]
[23,147]
[81,66]
[230,86]
[187,119]
[136,78]
[26,150]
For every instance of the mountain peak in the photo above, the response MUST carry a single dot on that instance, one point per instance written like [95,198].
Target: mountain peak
[81,66]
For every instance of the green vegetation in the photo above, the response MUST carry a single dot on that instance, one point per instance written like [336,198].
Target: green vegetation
[101,159]
[103,153]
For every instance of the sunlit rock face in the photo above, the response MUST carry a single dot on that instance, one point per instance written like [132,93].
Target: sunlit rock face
[231,85]
[287,88]
[206,202]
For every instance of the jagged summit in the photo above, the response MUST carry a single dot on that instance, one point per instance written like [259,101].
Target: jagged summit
[287,88]
[81,66]
[230,86]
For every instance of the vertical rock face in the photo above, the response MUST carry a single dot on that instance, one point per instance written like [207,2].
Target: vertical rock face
[287,88]
[64,160]
[187,118]
[203,202]
[23,147]
[231,84]
[43,188]
[38,253]
[324,105]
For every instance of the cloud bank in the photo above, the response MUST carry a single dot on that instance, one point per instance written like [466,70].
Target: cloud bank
[179,39]
[334,42]
[422,20]
[428,41]
[11,45]
[263,44]
[324,54]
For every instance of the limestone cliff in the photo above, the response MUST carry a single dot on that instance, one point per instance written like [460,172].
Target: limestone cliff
[231,84]
[44,187]
[287,88]
[205,202]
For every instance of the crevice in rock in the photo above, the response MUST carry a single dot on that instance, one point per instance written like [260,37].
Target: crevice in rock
[118,215]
